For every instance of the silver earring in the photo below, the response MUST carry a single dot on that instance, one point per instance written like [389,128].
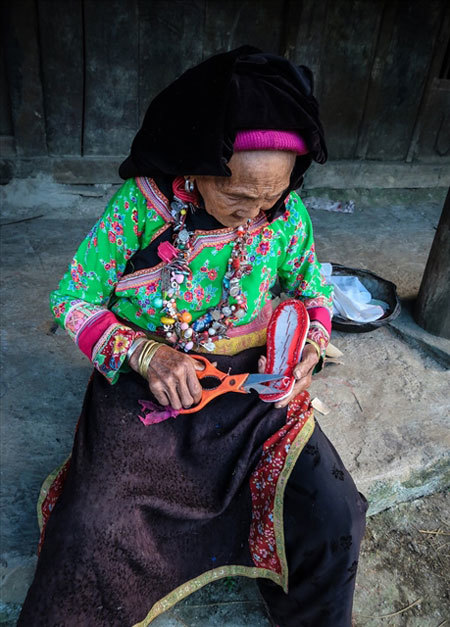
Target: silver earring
[189,185]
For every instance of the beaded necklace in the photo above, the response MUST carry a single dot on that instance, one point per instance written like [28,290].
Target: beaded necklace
[213,324]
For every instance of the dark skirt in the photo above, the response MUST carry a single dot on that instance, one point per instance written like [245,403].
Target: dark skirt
[324,522]
[150,514]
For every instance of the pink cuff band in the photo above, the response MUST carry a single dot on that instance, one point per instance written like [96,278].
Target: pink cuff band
[322,315]
[91,333]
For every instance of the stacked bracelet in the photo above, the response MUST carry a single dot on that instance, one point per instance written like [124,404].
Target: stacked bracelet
[146,355]
[316,346]
[134,344]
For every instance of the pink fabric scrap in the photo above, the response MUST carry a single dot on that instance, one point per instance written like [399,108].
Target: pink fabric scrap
[156,413]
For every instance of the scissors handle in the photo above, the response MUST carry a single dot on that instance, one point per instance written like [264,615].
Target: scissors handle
[215,383]
[209,370]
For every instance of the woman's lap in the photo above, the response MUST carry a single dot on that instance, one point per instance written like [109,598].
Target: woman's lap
[97,528]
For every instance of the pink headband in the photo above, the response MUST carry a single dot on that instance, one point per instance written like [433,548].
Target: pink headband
[270,140]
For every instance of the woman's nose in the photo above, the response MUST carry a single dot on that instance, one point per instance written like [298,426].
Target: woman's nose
[249,213]
[254,211]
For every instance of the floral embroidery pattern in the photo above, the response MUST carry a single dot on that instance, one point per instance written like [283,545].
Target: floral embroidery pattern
[111,350]
[346,542]
[79,314]
[352,570]
[264,482]
[317,333]
[313,450]
[50,493]
[337,473]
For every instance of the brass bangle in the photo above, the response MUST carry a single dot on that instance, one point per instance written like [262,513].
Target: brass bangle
[134,345]
[145,361]
[316,346]
[142,355]
[151,353]
[146,355]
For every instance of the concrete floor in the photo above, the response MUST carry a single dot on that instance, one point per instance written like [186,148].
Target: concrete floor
[388,399]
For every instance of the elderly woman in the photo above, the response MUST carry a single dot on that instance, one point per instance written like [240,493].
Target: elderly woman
[157,503]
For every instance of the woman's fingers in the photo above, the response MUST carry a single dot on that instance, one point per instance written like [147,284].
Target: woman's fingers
[194,387]
[177,385]
[173,380]
[303,374]
[301,385]
[184,393]
[262,361]
[158,391]
[192,382]
[171,389]
[308,362]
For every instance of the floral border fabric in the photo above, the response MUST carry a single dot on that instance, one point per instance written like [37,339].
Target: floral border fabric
[79,315]
[264,545]
[50,492]
[318,334]
[110,352]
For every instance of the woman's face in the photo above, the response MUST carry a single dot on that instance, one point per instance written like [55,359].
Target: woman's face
[258,179]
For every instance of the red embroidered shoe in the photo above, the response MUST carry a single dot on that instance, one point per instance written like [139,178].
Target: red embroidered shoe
[286,335]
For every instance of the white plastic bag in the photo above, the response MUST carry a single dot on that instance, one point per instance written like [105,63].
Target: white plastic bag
[351,300]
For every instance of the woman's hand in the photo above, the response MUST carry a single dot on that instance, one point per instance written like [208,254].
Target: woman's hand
[171,377]
[302,372]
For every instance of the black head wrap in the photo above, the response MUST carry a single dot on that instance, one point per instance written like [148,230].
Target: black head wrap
[190,127]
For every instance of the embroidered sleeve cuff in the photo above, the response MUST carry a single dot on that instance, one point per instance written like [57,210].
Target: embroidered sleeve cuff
[85,323]
[322,315]
[318,334]
[110,352]
[320,337]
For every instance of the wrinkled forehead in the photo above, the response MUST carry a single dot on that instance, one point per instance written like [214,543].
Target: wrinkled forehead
[259,166]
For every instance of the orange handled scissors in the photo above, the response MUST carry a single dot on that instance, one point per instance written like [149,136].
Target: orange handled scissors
[215,382]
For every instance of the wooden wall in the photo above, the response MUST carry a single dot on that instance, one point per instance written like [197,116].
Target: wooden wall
[77,75]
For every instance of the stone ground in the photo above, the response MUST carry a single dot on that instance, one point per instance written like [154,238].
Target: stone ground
[388,400]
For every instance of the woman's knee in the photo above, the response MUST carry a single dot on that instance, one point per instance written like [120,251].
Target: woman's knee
[342,509]
[323,494]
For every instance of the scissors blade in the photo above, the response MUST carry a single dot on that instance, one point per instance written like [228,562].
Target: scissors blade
[256,382]
[262,378]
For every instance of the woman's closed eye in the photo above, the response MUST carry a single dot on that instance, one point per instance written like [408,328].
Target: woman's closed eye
[242,199]
[247,200]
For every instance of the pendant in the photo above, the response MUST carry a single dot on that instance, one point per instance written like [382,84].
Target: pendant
[165,279]
[183,236]
[214,324]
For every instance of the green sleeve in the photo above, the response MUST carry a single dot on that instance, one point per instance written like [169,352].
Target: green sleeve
[101,258]
[84,292]
[298,267]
